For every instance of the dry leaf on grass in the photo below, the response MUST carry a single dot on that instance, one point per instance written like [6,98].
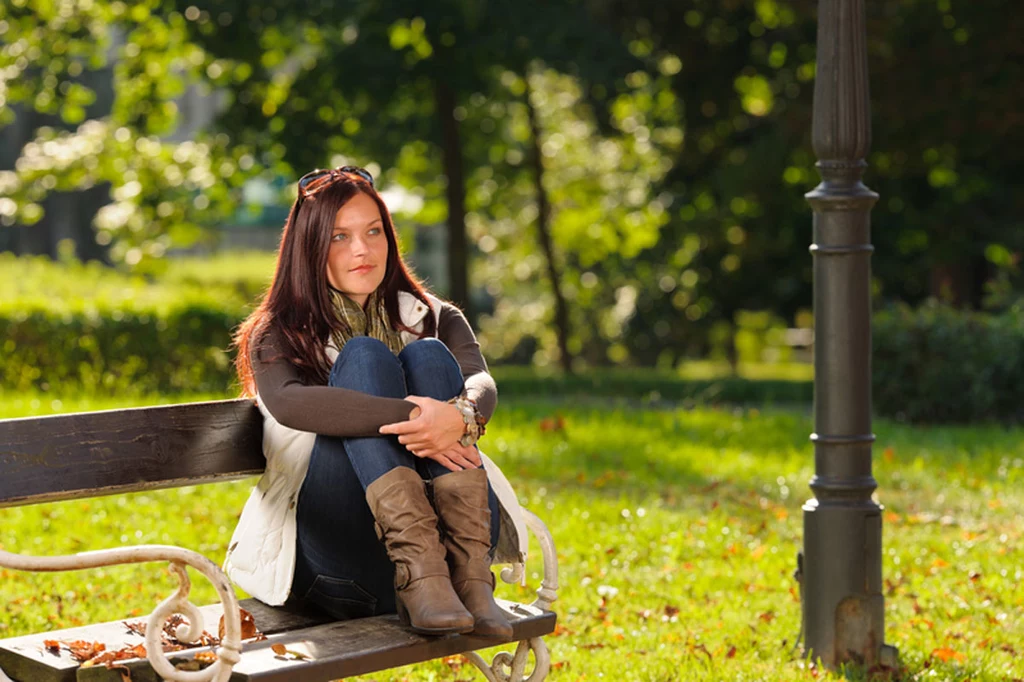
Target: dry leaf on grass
[556,423]
[945,655]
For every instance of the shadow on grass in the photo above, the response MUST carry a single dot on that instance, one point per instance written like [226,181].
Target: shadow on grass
[623,447]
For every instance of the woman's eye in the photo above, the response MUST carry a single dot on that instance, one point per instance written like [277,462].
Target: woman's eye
[339,237]
[375,230]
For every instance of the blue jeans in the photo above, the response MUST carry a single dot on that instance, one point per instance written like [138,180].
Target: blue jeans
[340,565]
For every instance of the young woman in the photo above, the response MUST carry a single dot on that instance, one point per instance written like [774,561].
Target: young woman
[373,394]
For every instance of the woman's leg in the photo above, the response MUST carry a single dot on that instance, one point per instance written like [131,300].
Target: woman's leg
[368,366]
[432,371]
[465,503]
[341,565]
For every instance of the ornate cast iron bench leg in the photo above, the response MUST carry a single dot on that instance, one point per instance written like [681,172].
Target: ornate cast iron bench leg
[228,654]
[508,667]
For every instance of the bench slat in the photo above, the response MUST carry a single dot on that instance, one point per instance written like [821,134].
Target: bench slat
[118,451]
[356,647]
[337,649]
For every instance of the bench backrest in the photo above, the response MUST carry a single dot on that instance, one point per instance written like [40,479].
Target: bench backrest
[89,454]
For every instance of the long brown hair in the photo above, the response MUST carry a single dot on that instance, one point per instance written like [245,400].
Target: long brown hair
[298,303]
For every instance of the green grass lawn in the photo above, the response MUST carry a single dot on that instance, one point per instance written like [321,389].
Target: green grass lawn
[677,531]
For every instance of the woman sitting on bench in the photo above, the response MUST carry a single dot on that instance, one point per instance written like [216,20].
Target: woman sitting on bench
[373,393]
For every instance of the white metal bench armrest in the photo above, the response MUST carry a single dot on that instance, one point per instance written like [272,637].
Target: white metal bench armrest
[229,651]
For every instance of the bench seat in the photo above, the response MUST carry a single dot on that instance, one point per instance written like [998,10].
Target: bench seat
[335,649]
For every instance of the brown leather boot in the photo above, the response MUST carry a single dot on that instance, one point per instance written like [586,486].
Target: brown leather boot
[407,525]
[460,498]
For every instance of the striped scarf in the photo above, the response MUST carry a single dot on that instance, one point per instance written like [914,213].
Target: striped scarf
[372,321]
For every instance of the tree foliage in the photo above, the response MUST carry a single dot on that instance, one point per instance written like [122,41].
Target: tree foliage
[675,141]
[945,146]
[161,191]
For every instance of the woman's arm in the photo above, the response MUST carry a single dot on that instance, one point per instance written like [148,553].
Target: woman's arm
[455,332]
[320,409]
[436,427]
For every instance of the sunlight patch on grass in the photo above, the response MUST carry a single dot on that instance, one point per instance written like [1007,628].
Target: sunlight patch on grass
[782,371]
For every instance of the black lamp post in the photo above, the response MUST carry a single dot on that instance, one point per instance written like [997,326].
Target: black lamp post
[843,606]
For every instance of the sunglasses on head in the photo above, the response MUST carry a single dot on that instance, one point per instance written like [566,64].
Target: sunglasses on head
[314,181]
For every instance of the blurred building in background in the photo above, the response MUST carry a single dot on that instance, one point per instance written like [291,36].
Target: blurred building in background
[67,225]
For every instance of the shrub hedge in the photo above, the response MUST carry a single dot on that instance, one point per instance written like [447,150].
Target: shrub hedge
[938,364]
[72,328]
[182,347]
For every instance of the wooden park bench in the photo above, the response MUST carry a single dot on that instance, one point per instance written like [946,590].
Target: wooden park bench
[84,455]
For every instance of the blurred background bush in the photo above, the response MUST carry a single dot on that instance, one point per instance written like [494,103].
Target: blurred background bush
[603,186]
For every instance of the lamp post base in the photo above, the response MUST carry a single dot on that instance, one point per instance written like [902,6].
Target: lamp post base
[843,607]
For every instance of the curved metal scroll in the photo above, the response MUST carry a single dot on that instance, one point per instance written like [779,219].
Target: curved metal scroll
[229,652]
[510,668]
[506,667]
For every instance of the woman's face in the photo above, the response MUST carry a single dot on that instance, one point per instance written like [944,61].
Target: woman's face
[359,249]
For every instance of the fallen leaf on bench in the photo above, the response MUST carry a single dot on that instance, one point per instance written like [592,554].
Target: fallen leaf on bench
[51,645]
[170,641]
[91,654]
[137,651]
[281,650]
[105,657]
[108,658]
[136,628]
[83,651]
[248,625]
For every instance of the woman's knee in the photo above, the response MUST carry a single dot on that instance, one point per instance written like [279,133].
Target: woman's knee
[365,363]
[427,350]
[429,365]
[365,346]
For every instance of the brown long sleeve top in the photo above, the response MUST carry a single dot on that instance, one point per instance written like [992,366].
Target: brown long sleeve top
[343,412]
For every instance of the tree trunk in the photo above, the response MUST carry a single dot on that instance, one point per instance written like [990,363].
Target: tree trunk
[90,202]
[18,238]
[961,284]
[451,157]
[544,235]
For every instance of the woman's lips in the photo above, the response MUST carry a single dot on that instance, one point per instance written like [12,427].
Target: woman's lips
[362,269]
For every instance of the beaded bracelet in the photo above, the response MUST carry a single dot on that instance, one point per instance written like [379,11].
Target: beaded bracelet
[472,418]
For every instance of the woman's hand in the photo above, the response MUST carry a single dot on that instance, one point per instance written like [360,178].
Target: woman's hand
[459,457]
[432,429]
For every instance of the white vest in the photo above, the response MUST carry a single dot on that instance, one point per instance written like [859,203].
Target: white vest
[261,556]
